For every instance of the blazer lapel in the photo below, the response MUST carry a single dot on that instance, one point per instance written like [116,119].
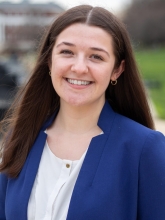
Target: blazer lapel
[19,189]
[91,162]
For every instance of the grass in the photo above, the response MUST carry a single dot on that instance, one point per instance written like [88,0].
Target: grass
[152,66]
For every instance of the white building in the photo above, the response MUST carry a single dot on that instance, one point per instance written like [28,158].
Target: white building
[21,23]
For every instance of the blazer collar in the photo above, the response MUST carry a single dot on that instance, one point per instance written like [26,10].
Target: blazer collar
[106,118]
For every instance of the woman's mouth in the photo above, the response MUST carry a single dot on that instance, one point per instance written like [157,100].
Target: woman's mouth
[78,82]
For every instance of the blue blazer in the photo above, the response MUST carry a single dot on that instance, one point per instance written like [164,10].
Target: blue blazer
[122,176]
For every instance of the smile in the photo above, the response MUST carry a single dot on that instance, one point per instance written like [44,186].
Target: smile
[78,82]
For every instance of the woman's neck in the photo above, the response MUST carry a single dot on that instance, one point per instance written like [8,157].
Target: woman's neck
[77,119]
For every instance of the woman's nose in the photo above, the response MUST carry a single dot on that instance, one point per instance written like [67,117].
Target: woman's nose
[79,66]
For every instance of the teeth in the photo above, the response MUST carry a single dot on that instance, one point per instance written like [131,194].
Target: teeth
[78,82]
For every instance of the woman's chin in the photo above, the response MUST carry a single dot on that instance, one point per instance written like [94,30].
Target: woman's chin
[75,102]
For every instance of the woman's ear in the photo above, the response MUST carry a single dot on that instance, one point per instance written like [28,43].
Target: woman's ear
[117,72]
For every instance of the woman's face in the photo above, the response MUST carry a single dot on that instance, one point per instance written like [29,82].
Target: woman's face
[82,64]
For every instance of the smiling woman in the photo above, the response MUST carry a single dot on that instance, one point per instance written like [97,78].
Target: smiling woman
[89,66]
[78,140]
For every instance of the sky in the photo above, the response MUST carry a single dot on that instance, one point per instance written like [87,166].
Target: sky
[112,5]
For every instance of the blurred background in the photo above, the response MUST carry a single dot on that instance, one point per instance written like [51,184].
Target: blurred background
[22,24]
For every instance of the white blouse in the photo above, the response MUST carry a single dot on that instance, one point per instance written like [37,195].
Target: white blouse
[53,187]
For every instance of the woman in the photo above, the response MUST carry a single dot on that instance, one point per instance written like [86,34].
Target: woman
[81,144]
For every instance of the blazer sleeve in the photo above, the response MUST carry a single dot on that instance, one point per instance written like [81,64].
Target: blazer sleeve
[3,186]
[151,198]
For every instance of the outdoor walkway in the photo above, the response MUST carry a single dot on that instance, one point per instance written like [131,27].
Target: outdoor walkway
[160,125]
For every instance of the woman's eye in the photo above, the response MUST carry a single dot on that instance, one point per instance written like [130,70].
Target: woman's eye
[66,52]
[97,57]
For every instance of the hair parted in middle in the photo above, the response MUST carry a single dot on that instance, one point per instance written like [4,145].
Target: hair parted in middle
[38,99]
[129,94]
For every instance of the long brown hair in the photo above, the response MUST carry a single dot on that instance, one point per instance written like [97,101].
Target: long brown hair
[38,99]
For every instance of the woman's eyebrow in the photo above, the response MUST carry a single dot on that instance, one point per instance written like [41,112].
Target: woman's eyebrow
[99,49]
[66,43]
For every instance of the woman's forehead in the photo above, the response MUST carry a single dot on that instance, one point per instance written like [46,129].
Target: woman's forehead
[84,32]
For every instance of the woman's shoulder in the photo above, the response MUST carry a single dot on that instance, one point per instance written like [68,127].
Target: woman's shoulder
[134,132]
[124,128]
[132,126]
